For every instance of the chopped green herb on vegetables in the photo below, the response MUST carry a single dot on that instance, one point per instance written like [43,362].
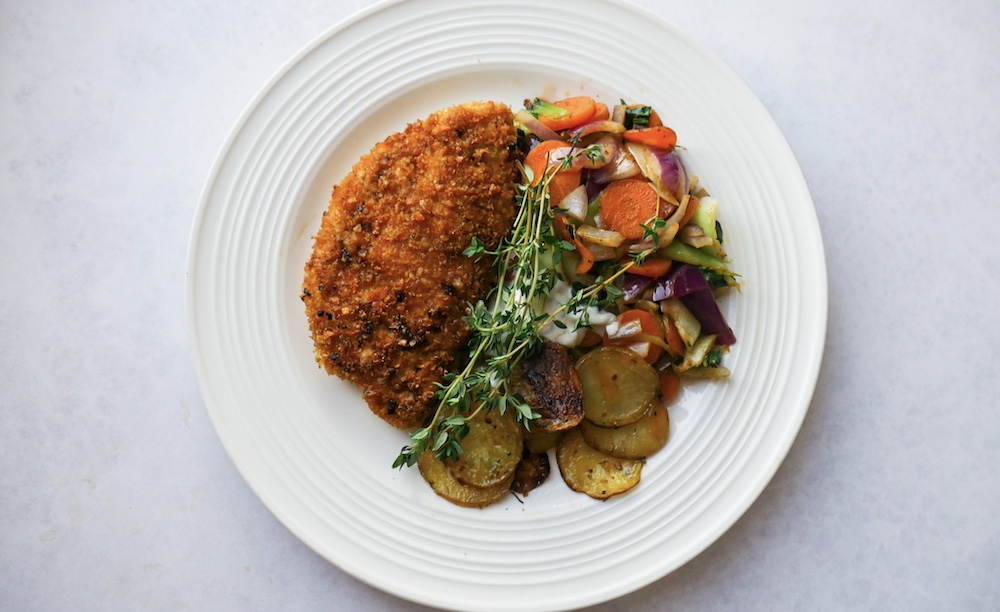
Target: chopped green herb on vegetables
[637,117]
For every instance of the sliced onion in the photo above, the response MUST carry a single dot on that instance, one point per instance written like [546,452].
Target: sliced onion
[535,126]
[640,348]
[695,236]
[697,242]
[607,146]
[618,114]
[672,172]
[693,186]
[642,245]
[667,209]
[664,169]
[621,332]
[623,166]
[695,355]
[601,252]
[667,234]
[688,325]
[575,203]
[648,306]
[604,237]
[707,372]
[611,127]
[682,207]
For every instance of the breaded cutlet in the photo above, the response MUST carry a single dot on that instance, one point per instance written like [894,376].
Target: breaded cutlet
[387,284]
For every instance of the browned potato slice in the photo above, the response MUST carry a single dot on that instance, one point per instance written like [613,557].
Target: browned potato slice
[549,383]
[444,484]
[531,472]
[633,441]
[541,441]
[590,471]
[618,386]
[492,449]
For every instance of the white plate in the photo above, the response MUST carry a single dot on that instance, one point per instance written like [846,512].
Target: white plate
[307,444]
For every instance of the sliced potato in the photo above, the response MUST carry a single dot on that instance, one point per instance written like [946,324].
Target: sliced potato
[592,472]
[550,385]
[633,441]
[541,441]
[618,386]
[440,478]
[492,449]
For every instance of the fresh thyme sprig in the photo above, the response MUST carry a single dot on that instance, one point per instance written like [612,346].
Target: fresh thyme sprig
[505,327]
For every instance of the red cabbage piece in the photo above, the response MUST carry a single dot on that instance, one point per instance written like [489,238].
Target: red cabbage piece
[634,284]
[672,172]
[687,283]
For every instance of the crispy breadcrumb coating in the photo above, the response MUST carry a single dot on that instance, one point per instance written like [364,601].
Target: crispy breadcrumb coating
[387,284]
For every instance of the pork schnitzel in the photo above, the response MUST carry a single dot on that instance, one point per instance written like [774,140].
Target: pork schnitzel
[387,284]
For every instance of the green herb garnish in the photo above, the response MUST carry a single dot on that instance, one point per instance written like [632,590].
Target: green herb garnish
[714,279]
[637,117]
[714,358]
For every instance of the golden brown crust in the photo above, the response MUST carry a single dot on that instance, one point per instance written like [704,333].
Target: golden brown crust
[387,284]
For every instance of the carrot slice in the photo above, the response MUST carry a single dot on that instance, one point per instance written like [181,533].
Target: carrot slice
[650,324]
[590,339]
[563,182]
[538,158]
[653,267]
[559,226]
[601,112]
[560,229]
[670,384]
[628,204]
[580,110]
[586,257]
[674,340]
[659,137]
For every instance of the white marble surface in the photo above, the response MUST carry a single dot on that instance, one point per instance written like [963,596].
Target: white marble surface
[115,493]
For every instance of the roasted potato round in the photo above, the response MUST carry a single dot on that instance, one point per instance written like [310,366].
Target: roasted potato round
[541,441]
[550,385]
[592,472]
[447,486]
[618,386]
[632,441]
[492,449]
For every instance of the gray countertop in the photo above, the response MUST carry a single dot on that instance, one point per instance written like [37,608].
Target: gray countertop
[115,493]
